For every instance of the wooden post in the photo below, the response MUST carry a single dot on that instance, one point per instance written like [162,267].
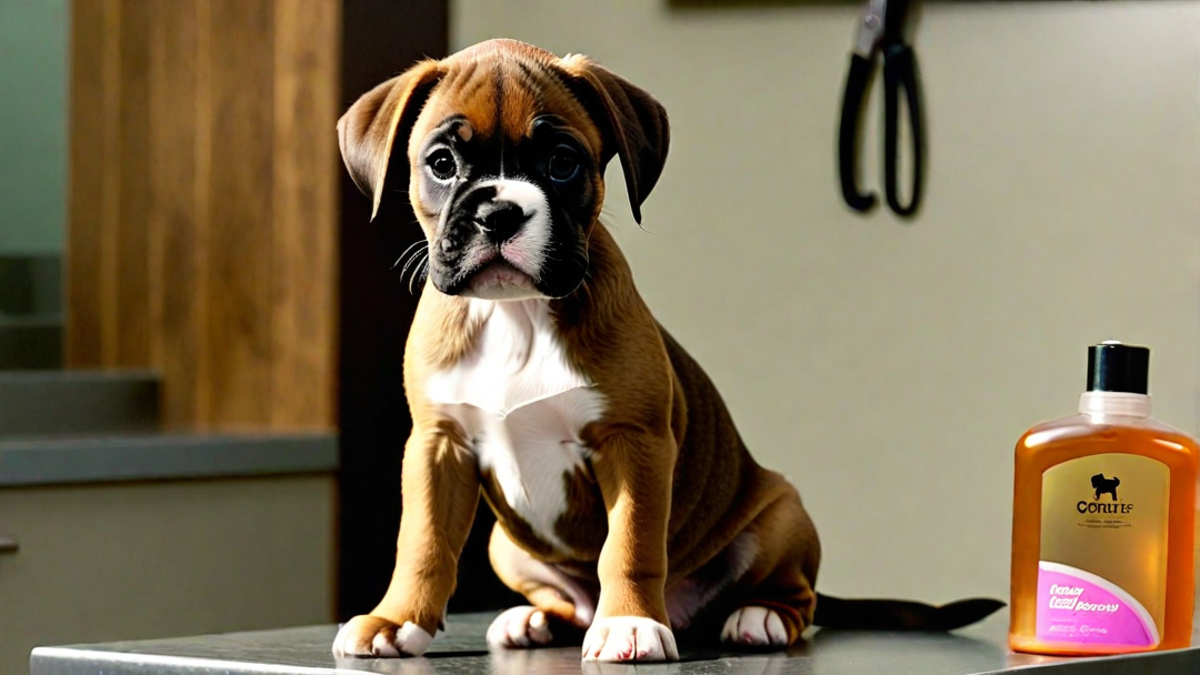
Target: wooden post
[204,204]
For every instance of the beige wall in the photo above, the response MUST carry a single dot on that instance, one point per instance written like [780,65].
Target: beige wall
[888,369]
[163,559]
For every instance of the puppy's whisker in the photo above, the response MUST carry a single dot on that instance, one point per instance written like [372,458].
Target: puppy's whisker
[412,259]
[408,250]
[417,261]
[409,265]
[416,270]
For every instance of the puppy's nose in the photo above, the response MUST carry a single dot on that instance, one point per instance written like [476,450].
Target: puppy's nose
[500,221]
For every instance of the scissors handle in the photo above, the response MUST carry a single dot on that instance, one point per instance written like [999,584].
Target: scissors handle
[849,133]
[900,72]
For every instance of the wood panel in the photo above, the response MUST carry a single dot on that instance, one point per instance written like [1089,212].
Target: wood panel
[204,179]
[178,131]
[239,227]
[87,159]
[307,56]
[130,269]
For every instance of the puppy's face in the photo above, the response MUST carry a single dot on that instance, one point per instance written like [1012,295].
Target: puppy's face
[506,181]
[507,146]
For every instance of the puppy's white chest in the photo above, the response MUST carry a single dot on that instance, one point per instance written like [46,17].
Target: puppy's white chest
[516,360]
[523,408]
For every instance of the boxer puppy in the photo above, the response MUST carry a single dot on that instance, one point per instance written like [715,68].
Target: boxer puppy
[627,504]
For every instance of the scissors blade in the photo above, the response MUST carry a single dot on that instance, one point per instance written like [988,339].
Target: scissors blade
[870,28]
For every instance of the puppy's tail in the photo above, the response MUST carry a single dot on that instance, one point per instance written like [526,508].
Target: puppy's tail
[901,615]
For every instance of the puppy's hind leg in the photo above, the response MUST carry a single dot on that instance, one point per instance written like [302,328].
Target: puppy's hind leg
[554,597]
[774,601]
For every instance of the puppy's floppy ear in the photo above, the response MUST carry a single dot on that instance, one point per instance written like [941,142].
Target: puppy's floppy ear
[635,125]
[367,132]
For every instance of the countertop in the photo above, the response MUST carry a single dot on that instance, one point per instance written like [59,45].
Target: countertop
[461,650]
[81,459]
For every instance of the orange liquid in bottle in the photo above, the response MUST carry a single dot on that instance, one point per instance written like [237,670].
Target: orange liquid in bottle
[1104,527]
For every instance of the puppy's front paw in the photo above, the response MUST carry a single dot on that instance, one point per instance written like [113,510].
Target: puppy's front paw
[518,627]
[629,638]
[372,636]
[756,627]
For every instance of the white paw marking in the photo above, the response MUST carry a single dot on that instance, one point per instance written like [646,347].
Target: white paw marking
[522,626]
[370,636]
[629,638]
[755,626]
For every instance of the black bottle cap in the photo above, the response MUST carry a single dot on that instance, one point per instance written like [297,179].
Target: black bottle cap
[1113,366]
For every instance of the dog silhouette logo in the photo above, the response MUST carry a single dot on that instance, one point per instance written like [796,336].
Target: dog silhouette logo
[1105,486]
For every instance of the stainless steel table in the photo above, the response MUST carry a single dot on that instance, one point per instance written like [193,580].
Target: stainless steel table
[461,650]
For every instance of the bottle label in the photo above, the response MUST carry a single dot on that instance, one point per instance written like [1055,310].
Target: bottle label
[1103,568]
[1075,606]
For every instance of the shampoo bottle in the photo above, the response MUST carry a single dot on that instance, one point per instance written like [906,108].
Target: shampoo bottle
[1103,512]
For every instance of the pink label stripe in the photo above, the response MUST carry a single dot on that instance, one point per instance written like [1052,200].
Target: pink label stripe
[1080,607]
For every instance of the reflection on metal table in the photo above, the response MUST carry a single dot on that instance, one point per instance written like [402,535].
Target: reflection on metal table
[461,650]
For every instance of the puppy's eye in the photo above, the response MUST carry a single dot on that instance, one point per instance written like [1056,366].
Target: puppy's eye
[442,164]
[564,164]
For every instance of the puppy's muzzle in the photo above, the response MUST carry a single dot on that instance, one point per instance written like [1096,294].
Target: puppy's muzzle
[496,242]
[499,220]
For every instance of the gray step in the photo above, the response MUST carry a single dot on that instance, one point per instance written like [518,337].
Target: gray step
[51,461]
[31,343]
[78,402]
[30,284]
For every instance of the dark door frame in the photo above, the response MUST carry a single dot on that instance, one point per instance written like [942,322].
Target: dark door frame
[380,39]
